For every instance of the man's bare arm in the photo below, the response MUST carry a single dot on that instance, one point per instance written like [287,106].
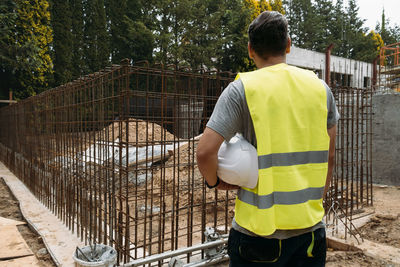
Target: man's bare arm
[207,158]
[331,159]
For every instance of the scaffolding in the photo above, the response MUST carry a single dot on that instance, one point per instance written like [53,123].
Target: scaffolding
[389,68]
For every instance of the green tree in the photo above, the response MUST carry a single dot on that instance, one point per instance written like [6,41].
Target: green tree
[9,50]
[62,41]
[277,5]
[354,30]
[201,39]
[254,7]
[8,45]
[116,12]
[16,58]
[303,28]
[324,13]
[232,52]
[129,37]
[32,25]
[77,59]
[96,41]
[390,34]
[369,46]
[264,5]
[162,33]
[337,29]
[136,43]
[172,29]
[234,55]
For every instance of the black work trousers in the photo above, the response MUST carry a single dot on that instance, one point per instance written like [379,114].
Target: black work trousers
[308,250]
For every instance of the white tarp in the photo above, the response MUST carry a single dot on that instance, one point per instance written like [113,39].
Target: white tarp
[105,151]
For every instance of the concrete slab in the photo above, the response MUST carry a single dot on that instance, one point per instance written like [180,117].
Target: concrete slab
[12,244]
[381,251]
[339,230]
[5,221]
[29,261]
[340,244]
[60,242]
[369,248]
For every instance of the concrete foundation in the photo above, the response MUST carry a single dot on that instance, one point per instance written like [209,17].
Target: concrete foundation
[58,239]
[386,139]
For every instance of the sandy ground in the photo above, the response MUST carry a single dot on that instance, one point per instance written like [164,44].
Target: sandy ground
[9,209]
[384,227]
[353,259]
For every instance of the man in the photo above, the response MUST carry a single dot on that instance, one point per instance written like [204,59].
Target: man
[290,116]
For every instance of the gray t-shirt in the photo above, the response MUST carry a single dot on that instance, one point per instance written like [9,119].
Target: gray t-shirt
[231,115]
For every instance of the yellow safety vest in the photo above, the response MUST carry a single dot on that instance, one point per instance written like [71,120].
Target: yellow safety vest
[288,107]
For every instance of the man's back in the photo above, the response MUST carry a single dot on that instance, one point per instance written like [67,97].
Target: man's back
[231,115]
[285,113]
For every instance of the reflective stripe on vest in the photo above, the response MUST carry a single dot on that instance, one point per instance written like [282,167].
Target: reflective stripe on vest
[280,198]
[288,107]
[294,158]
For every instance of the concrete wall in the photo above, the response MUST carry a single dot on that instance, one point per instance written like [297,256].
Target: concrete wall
[306,58]
[386,139]
[316,61]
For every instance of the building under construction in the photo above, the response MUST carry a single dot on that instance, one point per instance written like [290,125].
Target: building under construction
[389,68]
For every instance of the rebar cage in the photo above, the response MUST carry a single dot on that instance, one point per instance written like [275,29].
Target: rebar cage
[112,154]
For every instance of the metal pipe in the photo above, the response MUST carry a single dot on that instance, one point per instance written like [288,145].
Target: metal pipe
[8,101]
[221,258]
[174,253]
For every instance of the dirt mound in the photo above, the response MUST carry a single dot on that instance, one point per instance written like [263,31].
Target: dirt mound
[353,259]
[182,166]
[139,132]
[384,229]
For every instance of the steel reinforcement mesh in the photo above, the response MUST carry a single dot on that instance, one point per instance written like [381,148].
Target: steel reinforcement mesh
[112,154]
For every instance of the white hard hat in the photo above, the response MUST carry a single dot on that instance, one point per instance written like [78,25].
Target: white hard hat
[238,162]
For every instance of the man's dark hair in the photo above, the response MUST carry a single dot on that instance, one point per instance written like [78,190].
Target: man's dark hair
[268,34]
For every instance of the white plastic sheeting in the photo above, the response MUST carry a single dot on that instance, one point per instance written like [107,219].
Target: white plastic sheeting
[100,151]
[139,179]
[106,152]
[103,151]
[143,154]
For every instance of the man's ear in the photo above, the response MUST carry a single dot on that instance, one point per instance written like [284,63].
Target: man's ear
[289,44]
[250,51]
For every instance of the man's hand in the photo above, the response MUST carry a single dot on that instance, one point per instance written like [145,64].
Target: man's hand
[225,186]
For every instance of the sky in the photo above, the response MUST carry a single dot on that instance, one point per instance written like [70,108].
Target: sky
[371,10]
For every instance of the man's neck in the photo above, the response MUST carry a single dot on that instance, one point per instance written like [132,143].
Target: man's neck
[262,63]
